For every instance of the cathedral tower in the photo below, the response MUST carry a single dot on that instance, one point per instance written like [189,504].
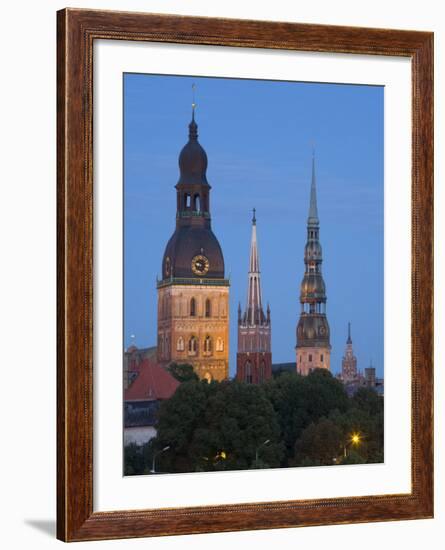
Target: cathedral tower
[313,348]
[349,363]
[254,357]
[193,293]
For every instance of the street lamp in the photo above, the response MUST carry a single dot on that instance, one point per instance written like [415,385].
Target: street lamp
[258,448]
[155,454]
[355,439]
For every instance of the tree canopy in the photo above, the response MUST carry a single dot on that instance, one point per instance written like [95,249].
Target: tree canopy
[183,372]
[218,426]
[290,420]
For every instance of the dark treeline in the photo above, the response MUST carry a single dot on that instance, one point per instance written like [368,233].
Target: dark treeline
[289,421]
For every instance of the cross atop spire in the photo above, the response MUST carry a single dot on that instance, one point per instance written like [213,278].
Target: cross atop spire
[254,216]
[313,210]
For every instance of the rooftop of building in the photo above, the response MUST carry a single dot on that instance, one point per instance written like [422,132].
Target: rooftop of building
[153,383]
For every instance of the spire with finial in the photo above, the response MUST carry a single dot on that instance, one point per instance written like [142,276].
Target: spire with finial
[193,127]
[193,98]
[349,341]
[254,310]
[193,158]
[254,356]
[313,210]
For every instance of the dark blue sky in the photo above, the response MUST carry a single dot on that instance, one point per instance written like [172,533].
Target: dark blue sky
[258,136]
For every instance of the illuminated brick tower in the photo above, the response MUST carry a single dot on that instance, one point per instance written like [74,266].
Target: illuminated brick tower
[313,349]
[349,363]
[193,293]
[254,357]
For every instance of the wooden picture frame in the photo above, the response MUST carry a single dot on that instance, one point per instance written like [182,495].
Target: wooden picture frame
[77,31]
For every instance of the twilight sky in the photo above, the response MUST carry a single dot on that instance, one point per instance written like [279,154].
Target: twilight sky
[258,136]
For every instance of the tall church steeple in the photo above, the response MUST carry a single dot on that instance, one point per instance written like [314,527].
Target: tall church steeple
[313,345]
[254,358]
[193,293]
[254,308]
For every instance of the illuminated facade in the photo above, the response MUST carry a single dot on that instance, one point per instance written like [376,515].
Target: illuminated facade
[193,293]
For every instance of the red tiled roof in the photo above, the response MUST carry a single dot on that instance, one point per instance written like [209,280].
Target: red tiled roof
[153,382]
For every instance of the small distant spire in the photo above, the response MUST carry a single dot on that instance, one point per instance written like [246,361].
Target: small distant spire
[254,216]
[313,210]
[349,341]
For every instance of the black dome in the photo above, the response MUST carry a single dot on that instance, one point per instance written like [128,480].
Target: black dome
[186,243]
[193,159]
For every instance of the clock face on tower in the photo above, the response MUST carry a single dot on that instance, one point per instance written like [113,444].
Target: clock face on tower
[200,265]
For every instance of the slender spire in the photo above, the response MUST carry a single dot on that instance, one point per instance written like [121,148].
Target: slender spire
[313,211]
[254,310]
[349,341]
[193,127]
[254,263]
[193,99]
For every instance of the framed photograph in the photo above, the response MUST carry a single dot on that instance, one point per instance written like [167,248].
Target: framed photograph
[245,264]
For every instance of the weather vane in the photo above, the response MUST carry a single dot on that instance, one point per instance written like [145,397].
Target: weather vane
[193,96]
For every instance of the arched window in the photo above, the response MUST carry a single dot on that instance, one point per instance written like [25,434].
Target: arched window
[248,372]
[192,307]
[310,358]
[197,201]
[262,372]
[180,344]
[219,344]
[193,345]
[208,344]
[187,200]
[208,308]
